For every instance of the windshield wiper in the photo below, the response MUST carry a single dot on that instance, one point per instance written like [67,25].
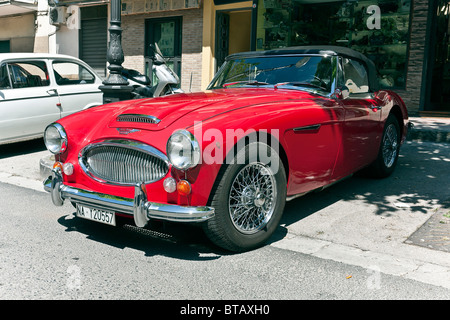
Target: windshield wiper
[300,84]
[250,82]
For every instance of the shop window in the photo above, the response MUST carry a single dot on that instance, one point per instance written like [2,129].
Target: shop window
[377,28]
[439,59]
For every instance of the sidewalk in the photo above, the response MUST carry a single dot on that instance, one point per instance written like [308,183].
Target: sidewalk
[436,232]
[432,129]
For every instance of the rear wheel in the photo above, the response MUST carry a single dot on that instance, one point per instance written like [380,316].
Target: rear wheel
[387,158]
[249,201]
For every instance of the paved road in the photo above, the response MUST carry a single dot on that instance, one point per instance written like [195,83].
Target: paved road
[46,253]
[379,218]
[351,241]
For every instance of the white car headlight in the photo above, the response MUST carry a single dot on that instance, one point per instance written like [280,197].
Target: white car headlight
[55,138]
[183,150]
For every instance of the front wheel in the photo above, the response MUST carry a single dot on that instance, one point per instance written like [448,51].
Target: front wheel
[248,200]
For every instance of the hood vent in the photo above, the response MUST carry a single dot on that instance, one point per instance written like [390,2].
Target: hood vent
[141,118]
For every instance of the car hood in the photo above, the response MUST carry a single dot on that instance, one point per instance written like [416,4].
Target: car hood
[192,107]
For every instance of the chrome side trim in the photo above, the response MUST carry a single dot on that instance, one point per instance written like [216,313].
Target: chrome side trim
[295,196]
[313,127]
[141,209]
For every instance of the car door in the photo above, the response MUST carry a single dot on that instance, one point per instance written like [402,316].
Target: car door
[361,130]
[77,86]
[28,99]
[312,142]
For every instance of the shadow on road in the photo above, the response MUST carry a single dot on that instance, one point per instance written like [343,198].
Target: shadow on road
[19,148]
[178,241]
[419,184]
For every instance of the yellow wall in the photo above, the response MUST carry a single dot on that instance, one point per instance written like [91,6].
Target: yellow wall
[240,29]
[209,23]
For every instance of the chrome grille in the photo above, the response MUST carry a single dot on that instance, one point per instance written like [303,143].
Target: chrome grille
[124,163]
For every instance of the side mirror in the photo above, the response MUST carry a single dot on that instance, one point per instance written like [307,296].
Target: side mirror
[341,93]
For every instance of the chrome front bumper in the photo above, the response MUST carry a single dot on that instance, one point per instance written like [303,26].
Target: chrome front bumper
[141,209]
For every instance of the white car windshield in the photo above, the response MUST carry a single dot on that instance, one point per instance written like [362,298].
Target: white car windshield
[299,71]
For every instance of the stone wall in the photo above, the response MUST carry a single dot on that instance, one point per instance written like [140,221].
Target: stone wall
[414,81]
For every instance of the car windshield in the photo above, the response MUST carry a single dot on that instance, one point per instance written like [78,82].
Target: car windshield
[302,71]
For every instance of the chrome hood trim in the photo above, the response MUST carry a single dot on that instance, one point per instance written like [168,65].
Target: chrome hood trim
[141,118]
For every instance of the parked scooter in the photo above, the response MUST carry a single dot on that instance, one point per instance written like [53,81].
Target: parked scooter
[167,80]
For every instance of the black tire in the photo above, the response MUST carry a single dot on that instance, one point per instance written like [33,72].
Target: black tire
[387,157]
[237,196]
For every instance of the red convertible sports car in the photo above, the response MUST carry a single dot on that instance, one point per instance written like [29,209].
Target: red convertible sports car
[271,126]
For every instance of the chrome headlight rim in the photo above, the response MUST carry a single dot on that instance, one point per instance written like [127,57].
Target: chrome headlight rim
[61,146]
[189,162]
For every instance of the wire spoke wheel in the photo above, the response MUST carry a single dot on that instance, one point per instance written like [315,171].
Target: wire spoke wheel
[252,198]
[248,198]
[390,146]
[389,149]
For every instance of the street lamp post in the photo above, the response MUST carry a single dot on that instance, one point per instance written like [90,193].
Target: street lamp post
[115,87]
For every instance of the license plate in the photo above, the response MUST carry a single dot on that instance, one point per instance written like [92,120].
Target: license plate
[102,216]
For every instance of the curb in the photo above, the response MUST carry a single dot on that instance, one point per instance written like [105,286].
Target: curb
[429,129]
[428,135]
[45,166]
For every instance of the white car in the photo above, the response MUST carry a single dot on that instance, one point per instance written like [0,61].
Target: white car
[37,89]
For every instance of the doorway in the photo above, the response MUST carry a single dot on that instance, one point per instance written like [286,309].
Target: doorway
[439,62]
[233,33]
[5,46]
[166,34]
[94,37]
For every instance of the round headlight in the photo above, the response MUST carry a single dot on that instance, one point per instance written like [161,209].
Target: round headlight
[55,138]
[183,150]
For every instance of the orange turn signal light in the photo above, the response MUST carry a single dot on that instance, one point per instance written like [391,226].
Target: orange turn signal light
[58,165]
[184,187]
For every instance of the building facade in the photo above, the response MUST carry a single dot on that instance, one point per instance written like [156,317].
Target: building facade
[17,25]
[408,40]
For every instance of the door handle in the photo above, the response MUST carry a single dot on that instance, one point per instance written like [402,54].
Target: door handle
[52,92]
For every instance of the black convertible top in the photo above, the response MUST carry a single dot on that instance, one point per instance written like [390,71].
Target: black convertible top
[330,50]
